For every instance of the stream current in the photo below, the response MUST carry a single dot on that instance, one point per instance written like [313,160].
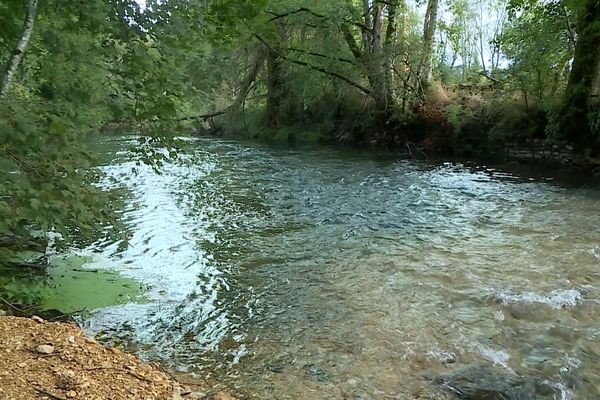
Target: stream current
[319,273]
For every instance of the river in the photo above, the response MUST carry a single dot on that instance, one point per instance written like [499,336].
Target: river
[319,273]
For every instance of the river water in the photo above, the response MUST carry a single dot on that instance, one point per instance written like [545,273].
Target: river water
[316,273]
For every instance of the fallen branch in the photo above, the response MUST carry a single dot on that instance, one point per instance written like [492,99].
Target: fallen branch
[141,378]
[127,371]
[179,381]
[9,304]
[497,81]
[409,144]
[203,117]
[49,394]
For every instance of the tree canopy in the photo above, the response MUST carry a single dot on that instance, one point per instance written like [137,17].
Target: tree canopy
[379,71]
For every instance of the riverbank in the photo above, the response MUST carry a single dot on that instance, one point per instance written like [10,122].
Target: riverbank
[54,360]
[472,122]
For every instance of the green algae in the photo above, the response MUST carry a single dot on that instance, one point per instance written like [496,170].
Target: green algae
[75,288]
[68,286]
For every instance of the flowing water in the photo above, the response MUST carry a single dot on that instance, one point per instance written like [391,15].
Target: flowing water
[289,273]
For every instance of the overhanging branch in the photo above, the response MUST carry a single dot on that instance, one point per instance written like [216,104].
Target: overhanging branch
[298,11]
[315,54]
[317,68]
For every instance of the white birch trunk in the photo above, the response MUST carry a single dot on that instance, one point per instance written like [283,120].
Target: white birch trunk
[424,71]
[17,57]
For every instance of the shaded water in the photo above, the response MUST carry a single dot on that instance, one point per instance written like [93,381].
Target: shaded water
[334,274]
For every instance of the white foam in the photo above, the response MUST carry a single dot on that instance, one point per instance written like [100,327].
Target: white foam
[556,299]
[596,253]
[497,357]
[565,393]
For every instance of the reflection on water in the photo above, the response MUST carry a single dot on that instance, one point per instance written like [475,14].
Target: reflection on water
[329,274]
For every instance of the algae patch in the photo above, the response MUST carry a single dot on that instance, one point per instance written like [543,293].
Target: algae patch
[75,288]
[68,286]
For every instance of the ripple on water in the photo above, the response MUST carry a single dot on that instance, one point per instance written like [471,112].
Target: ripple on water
[332,274]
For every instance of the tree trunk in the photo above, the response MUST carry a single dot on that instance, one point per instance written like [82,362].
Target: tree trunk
[259,60]
[375,68]
[479,26]
[276,84]
[424,71]
[594,96]
[403,50]
[367,34]
[17,56]
[389,49]
[377,53]
[583,81]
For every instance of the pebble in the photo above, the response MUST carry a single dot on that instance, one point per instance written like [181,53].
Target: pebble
[223,396]
[45,349]
[176,393]
[2,313]
[38,319]
[72,394]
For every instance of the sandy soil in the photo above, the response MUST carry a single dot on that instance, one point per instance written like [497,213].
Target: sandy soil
[52,360]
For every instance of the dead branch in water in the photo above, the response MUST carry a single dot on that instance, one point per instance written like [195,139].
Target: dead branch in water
[203,117]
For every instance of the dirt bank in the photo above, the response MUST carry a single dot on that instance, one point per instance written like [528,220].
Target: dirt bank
[52,360]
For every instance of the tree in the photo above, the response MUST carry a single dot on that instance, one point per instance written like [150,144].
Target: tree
[580,99]
[539,46]
[377,25]
[21,47]
[86,64]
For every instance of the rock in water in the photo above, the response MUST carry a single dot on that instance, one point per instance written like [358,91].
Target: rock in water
[481,382]
[316,373]
[45,349]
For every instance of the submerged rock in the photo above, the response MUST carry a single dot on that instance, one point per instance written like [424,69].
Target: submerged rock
[481,382]
[317,373]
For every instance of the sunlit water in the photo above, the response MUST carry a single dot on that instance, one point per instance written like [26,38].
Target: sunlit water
[336,274]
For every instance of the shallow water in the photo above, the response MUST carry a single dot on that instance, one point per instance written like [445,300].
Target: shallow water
[338,274]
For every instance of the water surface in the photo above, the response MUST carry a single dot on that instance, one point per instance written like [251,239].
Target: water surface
[290,273]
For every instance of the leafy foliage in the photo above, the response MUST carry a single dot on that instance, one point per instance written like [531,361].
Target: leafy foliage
[20,292]
[88,64]
[349,70]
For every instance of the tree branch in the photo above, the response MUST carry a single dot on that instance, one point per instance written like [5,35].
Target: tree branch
[317,68]
[298,11]
[311,53]
[354,49]
[314,14]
